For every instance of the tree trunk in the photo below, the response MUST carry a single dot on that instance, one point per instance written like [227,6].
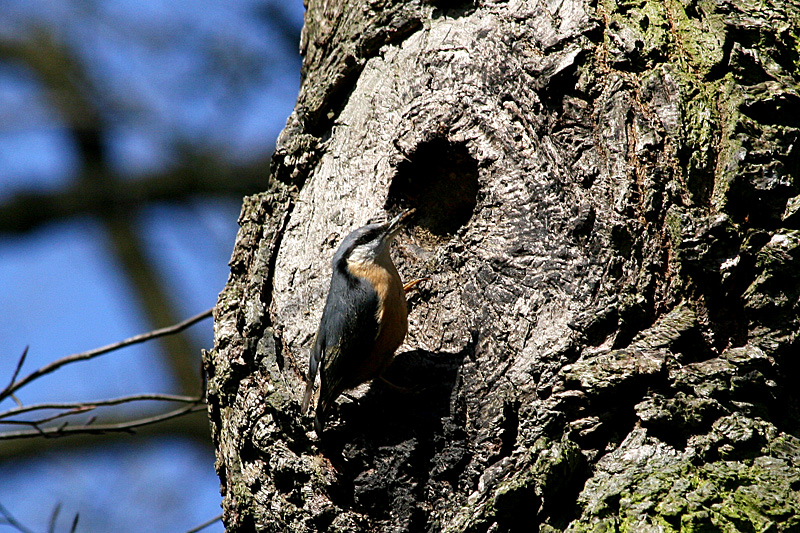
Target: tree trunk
[607,211]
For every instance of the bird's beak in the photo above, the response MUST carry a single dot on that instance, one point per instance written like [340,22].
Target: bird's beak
[397,223]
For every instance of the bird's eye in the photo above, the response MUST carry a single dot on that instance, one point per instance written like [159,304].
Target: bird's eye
[367,237]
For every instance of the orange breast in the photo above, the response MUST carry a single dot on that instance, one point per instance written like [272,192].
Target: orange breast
[392,313]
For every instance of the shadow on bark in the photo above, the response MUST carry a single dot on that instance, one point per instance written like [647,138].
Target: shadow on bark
[391,443]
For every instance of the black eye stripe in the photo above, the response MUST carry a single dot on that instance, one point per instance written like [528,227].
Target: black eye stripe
[367,237]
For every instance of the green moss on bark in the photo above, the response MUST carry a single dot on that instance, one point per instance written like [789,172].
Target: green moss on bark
[678,492]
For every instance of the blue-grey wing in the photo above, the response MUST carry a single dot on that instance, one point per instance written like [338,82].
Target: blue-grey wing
[313,364]
[346,334]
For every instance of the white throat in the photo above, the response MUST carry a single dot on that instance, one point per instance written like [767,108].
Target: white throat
[368,253]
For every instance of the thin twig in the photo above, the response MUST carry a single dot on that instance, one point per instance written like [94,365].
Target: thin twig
[55,365]
[80,408]
[74,523]
[19,366]
[10,520]
[205,524]
[41,421]
[54,518]
[94,429]
[87,406]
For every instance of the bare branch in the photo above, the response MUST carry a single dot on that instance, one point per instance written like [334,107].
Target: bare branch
[11,521]
[82,407]
[127,427]
[205,524]
[55,365]
[54,518]
[48,419]
[19,366]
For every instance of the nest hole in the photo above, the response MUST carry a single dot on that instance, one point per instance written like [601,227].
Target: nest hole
[440,180]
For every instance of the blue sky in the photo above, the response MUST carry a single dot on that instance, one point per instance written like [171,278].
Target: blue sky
[213,76]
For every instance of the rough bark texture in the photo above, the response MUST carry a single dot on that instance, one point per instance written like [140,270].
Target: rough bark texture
[608,212]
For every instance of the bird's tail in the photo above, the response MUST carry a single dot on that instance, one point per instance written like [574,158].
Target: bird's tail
[322,407]
[307,396]
[318,425]
[319,416]
[313,364]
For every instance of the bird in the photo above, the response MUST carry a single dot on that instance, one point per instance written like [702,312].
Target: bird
[365,318]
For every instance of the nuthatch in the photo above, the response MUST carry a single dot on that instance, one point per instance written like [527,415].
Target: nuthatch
[365,317]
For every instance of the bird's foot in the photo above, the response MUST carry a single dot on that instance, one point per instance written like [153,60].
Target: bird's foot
[413,283]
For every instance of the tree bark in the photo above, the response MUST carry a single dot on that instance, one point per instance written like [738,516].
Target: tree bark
[607,209]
